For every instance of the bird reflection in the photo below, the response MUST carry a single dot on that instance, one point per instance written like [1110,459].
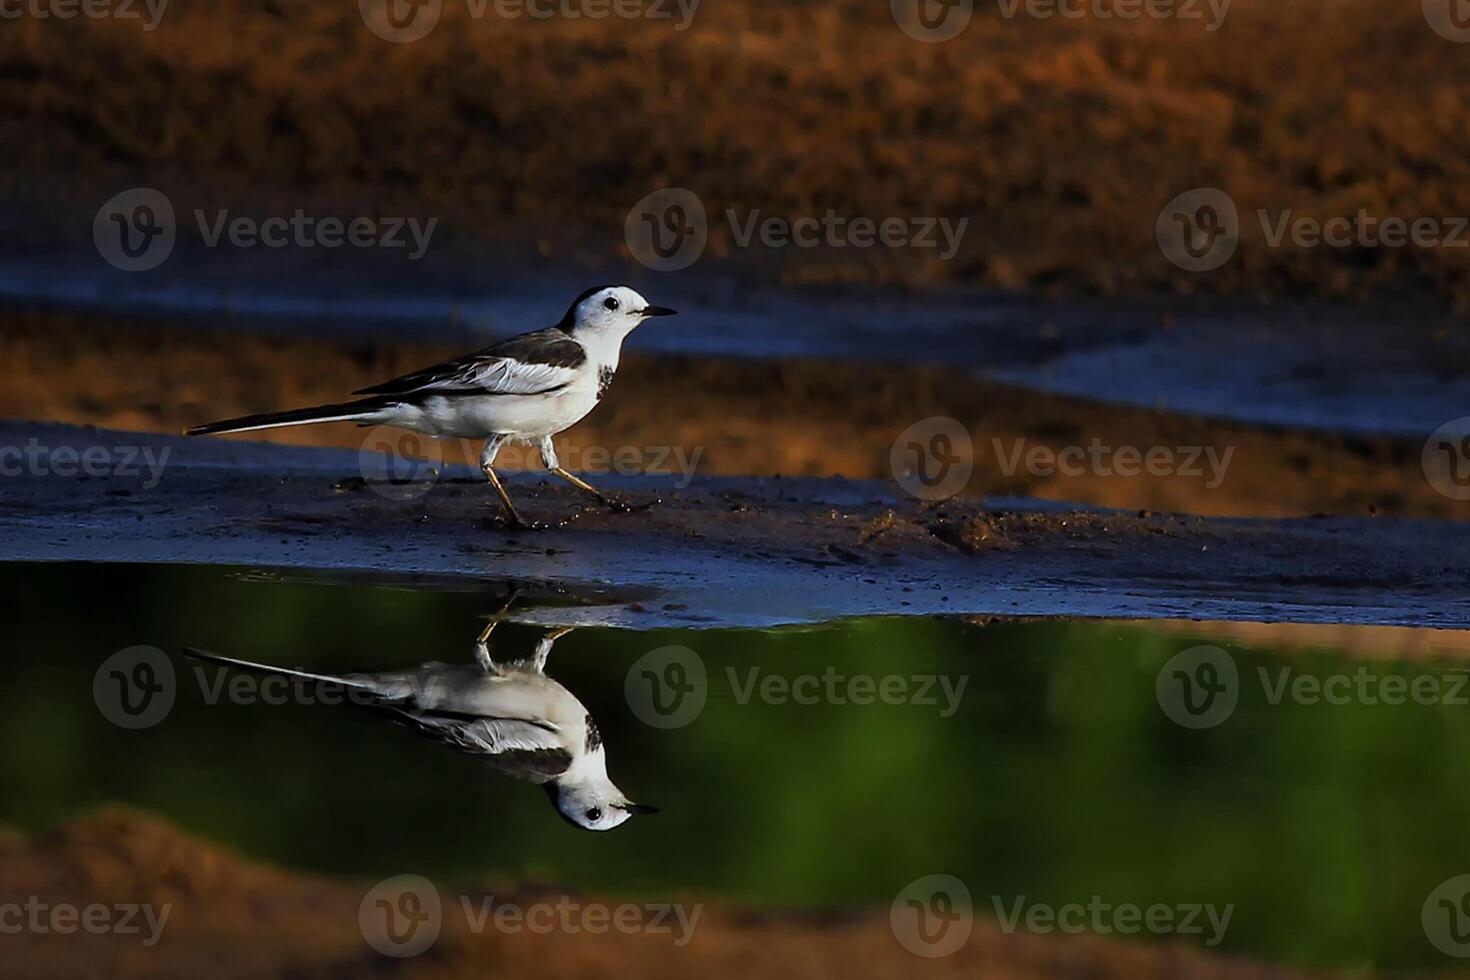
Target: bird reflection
[525,724]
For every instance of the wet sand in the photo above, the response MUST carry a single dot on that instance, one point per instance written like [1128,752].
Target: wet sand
[728,550]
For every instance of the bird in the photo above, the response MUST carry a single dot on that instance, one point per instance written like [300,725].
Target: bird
[525,724]
[524,389]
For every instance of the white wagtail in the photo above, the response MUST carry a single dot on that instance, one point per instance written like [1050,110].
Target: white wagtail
[526,724]
[526,389]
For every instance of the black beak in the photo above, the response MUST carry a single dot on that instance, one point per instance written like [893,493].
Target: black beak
[638,807]
[648,311]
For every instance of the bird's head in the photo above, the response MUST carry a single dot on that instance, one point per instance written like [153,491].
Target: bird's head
[595,804]
[610,311]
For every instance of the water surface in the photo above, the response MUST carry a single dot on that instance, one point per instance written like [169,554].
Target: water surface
[1028,759]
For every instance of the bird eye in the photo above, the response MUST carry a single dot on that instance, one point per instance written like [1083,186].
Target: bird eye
[611,303]
[593,815]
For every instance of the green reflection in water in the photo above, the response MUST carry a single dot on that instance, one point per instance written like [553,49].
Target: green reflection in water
[1058,778]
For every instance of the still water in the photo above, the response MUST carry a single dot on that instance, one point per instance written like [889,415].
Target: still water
[815,767]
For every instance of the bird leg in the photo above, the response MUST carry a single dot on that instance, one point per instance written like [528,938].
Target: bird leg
[543,647]
[553,465]
[487,466]
[482,642]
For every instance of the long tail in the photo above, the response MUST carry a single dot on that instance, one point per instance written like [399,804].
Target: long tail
[340,412]
[358,683]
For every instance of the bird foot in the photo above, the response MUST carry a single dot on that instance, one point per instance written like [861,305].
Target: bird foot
[622,505]
[505,522]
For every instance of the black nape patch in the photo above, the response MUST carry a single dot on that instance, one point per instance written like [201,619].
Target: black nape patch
[594,737]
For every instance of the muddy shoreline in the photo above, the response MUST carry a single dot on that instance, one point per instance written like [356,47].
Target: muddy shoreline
[220,904]
[732,551]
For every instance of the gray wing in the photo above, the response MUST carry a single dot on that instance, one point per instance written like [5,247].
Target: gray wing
[531,364]
[524,749]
